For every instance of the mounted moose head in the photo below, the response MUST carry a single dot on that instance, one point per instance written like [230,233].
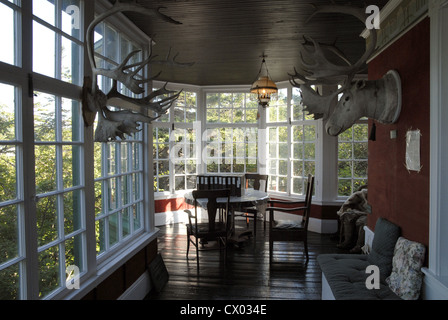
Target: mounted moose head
[113,124]
[377,99]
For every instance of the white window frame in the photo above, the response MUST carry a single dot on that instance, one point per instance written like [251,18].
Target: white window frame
[122,30]
[22,76]
[435,282]
[170,124]
[352,159]
[289,123]
[209,128]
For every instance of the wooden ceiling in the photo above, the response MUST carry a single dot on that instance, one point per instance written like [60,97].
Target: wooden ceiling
[225,39]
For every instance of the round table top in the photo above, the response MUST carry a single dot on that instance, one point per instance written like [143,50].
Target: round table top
[249,198]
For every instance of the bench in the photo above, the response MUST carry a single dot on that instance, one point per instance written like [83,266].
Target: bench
[399,262]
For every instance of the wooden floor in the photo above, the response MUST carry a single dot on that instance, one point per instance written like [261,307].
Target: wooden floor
[247,274]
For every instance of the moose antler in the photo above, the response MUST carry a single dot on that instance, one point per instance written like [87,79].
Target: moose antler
[113,124]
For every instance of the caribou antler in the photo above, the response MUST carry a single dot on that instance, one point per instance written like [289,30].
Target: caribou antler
[317,69]
[111,123]
[322,67]
[377,99]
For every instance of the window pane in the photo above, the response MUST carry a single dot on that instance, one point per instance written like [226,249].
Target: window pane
[7,36]
[43,50]
[44,117]
[70,61]
[71,17]
[137,178]
[71,166]
[138,217]
[72,211]
[100,236]
[344,187]
[7,112]
[126,221]
[47,220]
[8,176]
[71,120]
[45,10]
[45,168]
[113,229]
[10,280]
[353,154]
[9,235]
[112,194]
[74,250]
[48,271]
[111,45]
[277,111]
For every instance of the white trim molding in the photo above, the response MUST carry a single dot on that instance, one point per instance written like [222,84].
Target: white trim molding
[435,285]
[397,18]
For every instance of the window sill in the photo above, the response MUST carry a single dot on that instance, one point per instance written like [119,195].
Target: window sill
[434,287]
[105,269]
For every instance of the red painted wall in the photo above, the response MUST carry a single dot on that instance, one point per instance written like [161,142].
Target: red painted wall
[173,204]
[400,196]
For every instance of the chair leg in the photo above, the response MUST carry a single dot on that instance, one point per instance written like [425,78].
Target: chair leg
[255,226]
[225,250]
[188,244]
[197,253]
[271,247]
[264,221]
[305,244]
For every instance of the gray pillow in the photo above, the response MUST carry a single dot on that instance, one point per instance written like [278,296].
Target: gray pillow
[382,252]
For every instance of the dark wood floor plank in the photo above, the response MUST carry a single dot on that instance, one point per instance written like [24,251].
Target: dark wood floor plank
[247,274]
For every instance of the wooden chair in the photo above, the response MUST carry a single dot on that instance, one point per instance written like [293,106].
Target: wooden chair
[212,229]
[290,230]
[258,182]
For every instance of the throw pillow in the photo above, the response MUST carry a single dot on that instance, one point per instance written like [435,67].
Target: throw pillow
[406,277]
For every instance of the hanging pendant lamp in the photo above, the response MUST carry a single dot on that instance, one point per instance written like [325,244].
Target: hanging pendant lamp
[264,87]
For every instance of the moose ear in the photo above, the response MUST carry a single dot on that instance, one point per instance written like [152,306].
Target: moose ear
[360,84]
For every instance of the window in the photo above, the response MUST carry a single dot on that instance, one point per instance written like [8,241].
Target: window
[231,108]
[10,15]
[45,182]
[175,146]
[119,202]
[42,206]
[57,43]
[352,155]
[231,134]
[231,150]
[59,188]
[161,153]
[290,143]
[118,191]
[12,256]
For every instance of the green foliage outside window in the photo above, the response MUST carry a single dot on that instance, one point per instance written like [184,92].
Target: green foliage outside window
[353,159]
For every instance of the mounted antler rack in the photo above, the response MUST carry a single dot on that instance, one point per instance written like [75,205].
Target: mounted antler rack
[377,99]
[113,124]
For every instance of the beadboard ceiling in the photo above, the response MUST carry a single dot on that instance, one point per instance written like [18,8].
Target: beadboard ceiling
[225,39]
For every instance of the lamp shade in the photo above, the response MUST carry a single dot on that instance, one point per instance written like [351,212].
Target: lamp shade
[264,87]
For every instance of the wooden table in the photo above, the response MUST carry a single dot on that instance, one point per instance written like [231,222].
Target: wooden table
[250,198]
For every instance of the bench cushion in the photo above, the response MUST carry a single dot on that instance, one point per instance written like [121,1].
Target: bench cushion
[383,245]
[346,275]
